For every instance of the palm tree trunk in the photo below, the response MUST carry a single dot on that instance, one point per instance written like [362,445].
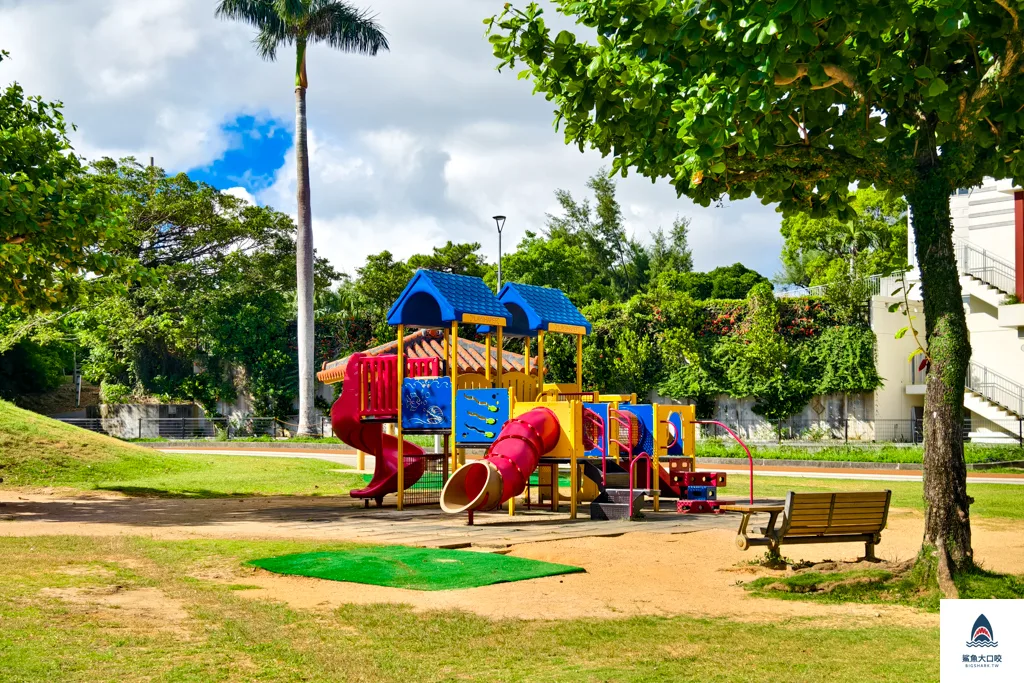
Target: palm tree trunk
[304,271]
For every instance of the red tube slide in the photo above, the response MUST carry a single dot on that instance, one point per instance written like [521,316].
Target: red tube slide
[369,437]
[504,471]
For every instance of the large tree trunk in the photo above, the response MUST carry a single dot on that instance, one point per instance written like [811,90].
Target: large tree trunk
[947,518]
[304,272]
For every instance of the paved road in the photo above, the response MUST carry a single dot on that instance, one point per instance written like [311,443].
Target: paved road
[343,458]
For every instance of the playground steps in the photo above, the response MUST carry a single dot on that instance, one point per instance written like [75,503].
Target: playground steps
[614,504]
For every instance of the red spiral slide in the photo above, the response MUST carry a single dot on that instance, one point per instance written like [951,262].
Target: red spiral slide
[504,471]
[369,437]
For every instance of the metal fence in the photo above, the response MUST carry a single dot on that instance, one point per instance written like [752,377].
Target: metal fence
[810,432]
[794,431]
[184,428]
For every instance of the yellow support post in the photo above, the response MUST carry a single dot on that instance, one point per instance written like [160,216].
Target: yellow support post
[398,421]
[540,359]
[487,365]
[501,363]
[687,415]
[580,363]
[361,458]
[576,429]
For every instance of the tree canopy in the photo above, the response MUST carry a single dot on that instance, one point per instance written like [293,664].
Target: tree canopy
[57,224]
[874,241]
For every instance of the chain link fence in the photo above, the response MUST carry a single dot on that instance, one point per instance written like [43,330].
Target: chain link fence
[798,432]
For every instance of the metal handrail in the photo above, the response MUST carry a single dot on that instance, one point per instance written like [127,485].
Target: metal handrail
[997,388]
[877,285]
[620,421]
[981,265]
[740,442]
[650,475]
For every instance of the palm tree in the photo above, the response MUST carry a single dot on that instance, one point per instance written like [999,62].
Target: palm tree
[302,23]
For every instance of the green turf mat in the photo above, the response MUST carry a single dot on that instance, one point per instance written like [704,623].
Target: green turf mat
[425,569]
[417,486]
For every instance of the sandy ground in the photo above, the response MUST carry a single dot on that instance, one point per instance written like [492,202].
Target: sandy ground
[695,574]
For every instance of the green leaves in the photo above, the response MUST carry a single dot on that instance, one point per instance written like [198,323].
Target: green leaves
[936,87]
[871,83]
[57,225]
[822,9]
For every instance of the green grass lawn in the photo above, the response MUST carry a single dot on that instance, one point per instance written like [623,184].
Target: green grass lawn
[38,451]
[990,500]
[52,632]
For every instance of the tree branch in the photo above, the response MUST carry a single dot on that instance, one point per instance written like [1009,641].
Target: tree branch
[1013,13]
[836,74]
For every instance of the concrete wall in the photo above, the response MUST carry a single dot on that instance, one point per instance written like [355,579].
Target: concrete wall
[823,412]
[123,420]
[892,400]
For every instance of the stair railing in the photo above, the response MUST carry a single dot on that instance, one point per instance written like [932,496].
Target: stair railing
[996,388]
[616,417]
[978,263]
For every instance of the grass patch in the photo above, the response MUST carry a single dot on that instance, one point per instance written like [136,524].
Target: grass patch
[225,636]
[990,500]
[217,476]
[425,569]
[38,451]
[866,453]
[914,587]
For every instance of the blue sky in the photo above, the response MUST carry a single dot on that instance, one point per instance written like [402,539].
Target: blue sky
[408,149]
[256,151]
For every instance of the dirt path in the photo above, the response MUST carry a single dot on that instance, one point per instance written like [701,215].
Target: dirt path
[637,573]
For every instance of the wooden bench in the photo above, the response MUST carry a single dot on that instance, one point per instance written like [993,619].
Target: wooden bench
[819,518]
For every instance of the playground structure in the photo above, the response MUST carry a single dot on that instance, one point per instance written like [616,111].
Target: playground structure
[618,451]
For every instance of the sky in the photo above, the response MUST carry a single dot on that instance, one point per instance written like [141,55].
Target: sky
[408,149]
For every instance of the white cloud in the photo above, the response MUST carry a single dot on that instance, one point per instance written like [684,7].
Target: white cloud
[241,193]
[408,149]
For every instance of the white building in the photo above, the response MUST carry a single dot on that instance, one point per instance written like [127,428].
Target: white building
[988,227]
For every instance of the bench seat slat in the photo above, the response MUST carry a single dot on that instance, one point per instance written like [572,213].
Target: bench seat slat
[844,517]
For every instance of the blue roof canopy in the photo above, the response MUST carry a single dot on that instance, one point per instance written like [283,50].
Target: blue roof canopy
[537,308]
[434,299]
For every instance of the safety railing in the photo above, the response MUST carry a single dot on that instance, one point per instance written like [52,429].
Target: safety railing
[593,438]
[996,388]
[582,396]
[378,383]
[738,440]
[875,285]
[979,264]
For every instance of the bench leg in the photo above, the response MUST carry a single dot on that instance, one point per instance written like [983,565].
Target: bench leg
[741,533]
[869,551]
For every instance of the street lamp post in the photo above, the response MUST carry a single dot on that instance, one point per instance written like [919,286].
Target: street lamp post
[500,222]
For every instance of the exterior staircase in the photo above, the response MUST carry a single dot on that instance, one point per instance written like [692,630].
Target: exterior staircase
[996,398]
[991,271]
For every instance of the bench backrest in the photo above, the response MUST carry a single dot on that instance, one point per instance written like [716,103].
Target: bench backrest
[835,514]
